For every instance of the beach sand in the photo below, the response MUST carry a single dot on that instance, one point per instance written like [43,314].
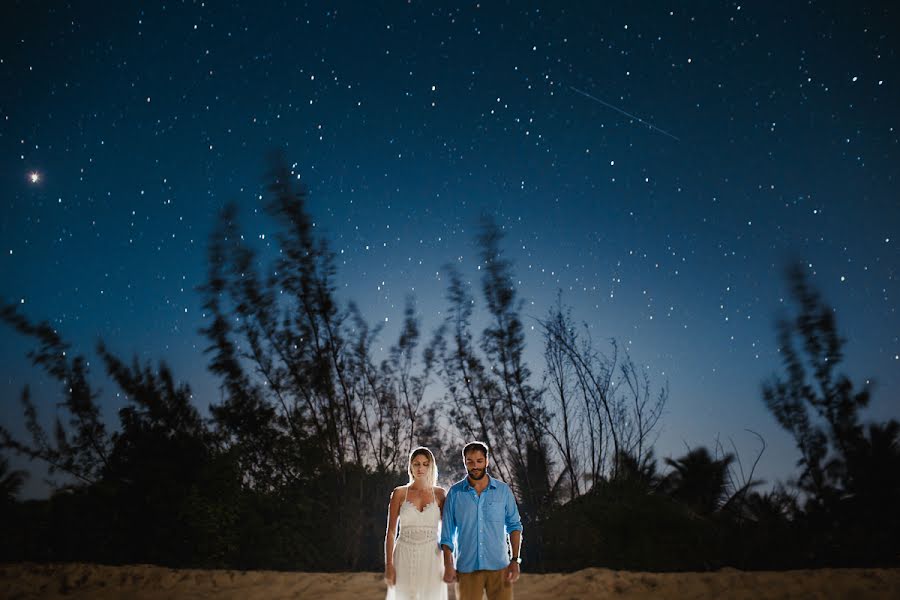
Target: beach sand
[146,582]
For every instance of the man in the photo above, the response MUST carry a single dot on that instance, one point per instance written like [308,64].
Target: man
[479,513]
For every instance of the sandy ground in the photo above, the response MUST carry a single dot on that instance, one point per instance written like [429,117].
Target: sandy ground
[145,582]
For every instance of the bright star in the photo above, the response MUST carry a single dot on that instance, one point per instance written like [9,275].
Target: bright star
[34,177]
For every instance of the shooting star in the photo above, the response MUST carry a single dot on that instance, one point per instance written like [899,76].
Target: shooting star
[627,114]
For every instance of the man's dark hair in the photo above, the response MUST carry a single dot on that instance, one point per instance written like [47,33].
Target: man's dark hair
[475,446]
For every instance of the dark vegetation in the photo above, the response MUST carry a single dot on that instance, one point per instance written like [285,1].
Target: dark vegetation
[294,465]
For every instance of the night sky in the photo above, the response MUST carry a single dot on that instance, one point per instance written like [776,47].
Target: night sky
[658,165]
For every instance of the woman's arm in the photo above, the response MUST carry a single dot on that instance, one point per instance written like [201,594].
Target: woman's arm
[390,536]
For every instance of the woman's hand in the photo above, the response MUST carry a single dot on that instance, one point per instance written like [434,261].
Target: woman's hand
[390,575]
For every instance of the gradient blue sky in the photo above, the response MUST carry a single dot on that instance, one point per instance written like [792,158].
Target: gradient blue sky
[773,138]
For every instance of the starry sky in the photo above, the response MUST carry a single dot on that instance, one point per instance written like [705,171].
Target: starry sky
[658,164]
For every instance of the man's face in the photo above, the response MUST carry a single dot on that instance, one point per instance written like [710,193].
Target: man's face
[476,465]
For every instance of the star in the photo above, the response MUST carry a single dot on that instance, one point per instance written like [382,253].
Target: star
[34,177]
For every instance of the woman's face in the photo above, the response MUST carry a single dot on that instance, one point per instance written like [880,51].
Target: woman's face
[421,467]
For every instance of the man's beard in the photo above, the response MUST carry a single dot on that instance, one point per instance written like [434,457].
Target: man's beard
[481,473]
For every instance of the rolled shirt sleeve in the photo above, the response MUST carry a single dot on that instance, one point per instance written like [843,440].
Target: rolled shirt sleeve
[448,521]
[513,520]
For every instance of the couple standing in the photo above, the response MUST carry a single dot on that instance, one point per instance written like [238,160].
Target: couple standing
[475,516]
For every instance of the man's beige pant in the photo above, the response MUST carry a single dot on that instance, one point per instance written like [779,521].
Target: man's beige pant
[471,586]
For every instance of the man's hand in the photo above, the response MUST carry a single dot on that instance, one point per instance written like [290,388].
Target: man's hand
[449,574]
[390,575]
[513,572]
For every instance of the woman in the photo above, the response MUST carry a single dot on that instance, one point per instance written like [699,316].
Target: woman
[413,567]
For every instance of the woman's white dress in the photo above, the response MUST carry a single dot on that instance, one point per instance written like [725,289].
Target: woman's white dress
[417,557]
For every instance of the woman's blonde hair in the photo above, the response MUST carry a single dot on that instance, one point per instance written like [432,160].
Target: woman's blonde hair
[422,451]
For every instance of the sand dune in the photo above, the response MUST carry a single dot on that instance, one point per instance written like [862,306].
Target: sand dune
[145,582]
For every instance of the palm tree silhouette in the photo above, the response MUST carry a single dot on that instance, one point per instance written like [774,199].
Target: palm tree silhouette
[639,471]
[698,480]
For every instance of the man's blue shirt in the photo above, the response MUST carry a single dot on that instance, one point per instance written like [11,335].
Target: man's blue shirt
[475,527]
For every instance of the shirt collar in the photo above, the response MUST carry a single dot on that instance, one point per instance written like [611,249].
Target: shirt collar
[492,483]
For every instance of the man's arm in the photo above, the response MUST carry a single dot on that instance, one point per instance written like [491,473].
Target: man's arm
[448,529]
[514,529]
[515,542]
[514,569]
[449,569]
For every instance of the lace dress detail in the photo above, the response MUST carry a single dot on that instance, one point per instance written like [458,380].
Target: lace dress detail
[417,557]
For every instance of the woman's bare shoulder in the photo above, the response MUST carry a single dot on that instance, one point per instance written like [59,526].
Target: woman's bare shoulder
[399,493]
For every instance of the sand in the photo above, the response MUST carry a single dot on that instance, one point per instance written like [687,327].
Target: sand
[25,581]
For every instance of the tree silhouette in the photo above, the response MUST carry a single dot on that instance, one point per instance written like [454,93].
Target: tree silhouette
[815,403]
[471,393]
[699,480]
[306,402]
[606,413]
[131,493]
[850,474]
[11,481]
[80,448]
[629,468]
[873,475]
[503,343]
